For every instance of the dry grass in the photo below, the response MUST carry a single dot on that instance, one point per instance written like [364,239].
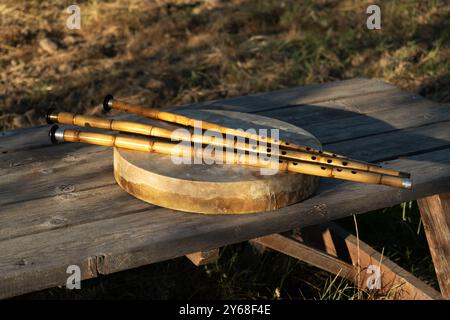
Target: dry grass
[172,52]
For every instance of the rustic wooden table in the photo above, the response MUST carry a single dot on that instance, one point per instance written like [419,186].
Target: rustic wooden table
[60,205]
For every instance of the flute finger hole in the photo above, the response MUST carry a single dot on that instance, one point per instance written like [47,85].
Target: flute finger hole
[313,158]
[283,152]
[329,161]
[268,149]
[323,168]
[354,172]
[344,163]
[294,163]
[340,170]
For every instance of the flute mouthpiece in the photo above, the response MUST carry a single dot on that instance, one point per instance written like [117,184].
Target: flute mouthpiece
[107,102]
[407,183]
[51,116]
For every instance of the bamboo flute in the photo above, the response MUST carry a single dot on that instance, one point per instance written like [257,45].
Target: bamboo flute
[148,130]
[322,170]
[110,103]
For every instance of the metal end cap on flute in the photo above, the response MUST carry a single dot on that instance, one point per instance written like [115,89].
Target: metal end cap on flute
[107,102]
[407,183]
[51,116]
[56,134]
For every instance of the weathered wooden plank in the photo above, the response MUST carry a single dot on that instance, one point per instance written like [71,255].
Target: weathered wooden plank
[445,201]
[434,212]
[395,144]
[307,254]
[24,139]
[334,125]
[327,91]
[42,258]
[67,209]
[395,282]
[39,260]
[382,123]
[201,258]
[300,95]
[52,156]
[336,109]
[74,171]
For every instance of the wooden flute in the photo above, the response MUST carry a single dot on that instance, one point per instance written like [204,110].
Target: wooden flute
[110,103]
[57,134]
[149,130]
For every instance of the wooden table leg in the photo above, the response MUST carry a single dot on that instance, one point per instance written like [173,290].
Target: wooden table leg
[340,252]
[435,213]
[204,257]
